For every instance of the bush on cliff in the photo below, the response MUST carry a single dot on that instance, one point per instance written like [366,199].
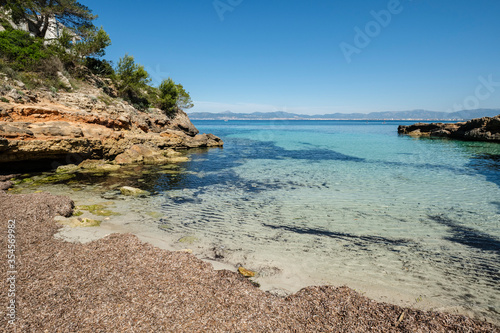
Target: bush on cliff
[134,83]
[77,51]
[168,96]
[173,97]
[21,51]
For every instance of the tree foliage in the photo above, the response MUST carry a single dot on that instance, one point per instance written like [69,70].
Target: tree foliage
[93,43]
[184,99]
[168,95]
[21,50]
[79,43]
[173,97]
[38,14]
[133,82]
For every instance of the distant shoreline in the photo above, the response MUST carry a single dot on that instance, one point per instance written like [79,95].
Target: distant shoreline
[324,119]
[414,115]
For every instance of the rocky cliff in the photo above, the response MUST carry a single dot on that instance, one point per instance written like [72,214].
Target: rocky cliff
[43,124]
[480,129]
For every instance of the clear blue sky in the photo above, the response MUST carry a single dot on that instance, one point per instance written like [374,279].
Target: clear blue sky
[256,55]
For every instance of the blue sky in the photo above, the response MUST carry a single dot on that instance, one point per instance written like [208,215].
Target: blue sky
[314,57]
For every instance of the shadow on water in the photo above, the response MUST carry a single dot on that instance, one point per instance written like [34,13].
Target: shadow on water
[269,150]
[468,236]
[496,203]
[216,166]
[358,240]
[488,165]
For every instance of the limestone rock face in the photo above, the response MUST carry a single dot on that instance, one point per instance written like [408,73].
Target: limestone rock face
[64,81]
[181,122]
[89,124]
[480,129]
[141,154]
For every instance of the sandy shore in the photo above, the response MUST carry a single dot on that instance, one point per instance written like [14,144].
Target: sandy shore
[120,284]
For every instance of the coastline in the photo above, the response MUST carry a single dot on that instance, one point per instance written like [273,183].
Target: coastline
[120,283]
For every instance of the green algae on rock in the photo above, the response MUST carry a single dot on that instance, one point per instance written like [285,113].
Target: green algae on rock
[97,209]
[68,168]
[98,166]
[188,239]
[75,222]
[132,191]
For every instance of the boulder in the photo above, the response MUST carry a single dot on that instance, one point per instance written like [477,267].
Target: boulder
[68,168]
[132,191]
[6,185]
[98,166]
[64,81]
[480,129]
[142,154]
[182,123]
[204,140]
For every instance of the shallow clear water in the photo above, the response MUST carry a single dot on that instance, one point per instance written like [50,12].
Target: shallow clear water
[350,203]
[406,220]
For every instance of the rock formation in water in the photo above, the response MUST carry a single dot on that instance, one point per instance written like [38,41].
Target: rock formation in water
[45,125]
[480,129]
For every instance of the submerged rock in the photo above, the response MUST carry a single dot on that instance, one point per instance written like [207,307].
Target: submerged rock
[132,191]
[188,240]
[56,178]
[98,166]
[69,168]
[79,222]
[245,272]
[97,210]
[142,154]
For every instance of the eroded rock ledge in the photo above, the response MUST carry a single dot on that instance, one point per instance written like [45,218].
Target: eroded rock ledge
[46,125]
[480,129]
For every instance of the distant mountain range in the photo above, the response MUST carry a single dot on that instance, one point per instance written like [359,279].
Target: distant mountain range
[386,115]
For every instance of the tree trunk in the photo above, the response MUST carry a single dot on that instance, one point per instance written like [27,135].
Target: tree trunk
[45,26]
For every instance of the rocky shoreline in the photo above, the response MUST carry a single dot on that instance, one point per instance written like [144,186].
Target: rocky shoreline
[480,129]
[121,284]
[73,126]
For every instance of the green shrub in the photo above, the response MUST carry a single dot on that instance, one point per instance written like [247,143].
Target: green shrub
[22,51]
[172,97]
[168,96]
[99,67]
[133,83]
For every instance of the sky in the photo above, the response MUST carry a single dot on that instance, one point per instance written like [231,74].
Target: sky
[314,57]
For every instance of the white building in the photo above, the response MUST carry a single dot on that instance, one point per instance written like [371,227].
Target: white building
[54,31]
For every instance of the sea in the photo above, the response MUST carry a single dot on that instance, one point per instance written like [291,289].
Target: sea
[405,220]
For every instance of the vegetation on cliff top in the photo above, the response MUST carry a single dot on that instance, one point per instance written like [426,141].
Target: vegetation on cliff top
[76,51]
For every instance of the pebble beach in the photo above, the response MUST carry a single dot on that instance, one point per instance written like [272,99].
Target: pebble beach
[119,283]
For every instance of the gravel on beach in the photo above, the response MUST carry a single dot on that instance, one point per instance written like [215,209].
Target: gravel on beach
[120,284]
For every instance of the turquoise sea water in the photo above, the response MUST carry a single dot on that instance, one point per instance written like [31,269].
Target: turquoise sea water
[347,202]
[404,220]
